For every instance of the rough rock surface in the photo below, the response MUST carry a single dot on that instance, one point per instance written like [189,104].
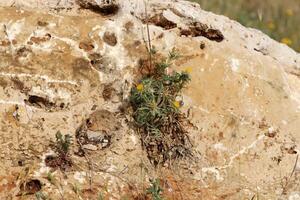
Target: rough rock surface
[56,71]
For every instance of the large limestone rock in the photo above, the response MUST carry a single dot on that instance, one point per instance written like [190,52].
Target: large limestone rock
[60,64]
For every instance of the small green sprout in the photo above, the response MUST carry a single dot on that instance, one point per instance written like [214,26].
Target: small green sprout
[63,143]
[155,190]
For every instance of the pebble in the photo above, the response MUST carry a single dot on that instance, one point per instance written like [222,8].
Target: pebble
[90,147]
[95,136]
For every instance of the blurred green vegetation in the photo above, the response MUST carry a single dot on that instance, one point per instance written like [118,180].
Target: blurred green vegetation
[280,19]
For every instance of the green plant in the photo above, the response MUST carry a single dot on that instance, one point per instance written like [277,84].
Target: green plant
[63,143]
[155,96]
[157,108]
[61,147]
[155,190]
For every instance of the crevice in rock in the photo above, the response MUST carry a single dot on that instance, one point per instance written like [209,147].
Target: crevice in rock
[294,71]
[262,51]
[161,21]
[44,103]
[39,102]
[30,187]
[106,8]
[199,29]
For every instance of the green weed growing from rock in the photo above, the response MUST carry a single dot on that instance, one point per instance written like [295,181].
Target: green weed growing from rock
[156,105]
[62,159]
[63,143]
[155,190]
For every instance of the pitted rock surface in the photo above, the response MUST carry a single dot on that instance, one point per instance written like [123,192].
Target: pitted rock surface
[57,71]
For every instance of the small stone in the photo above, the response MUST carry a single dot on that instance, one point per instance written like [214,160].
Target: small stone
[95,136]
[105,143]
[110,38]
[90,147]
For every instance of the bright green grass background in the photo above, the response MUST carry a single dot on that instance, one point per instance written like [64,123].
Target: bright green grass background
[280,19]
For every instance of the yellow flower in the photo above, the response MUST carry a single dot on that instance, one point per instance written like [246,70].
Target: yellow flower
[188,70]
[286,41]
[176,104]
[140,87]
[289,12]
[271,25]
